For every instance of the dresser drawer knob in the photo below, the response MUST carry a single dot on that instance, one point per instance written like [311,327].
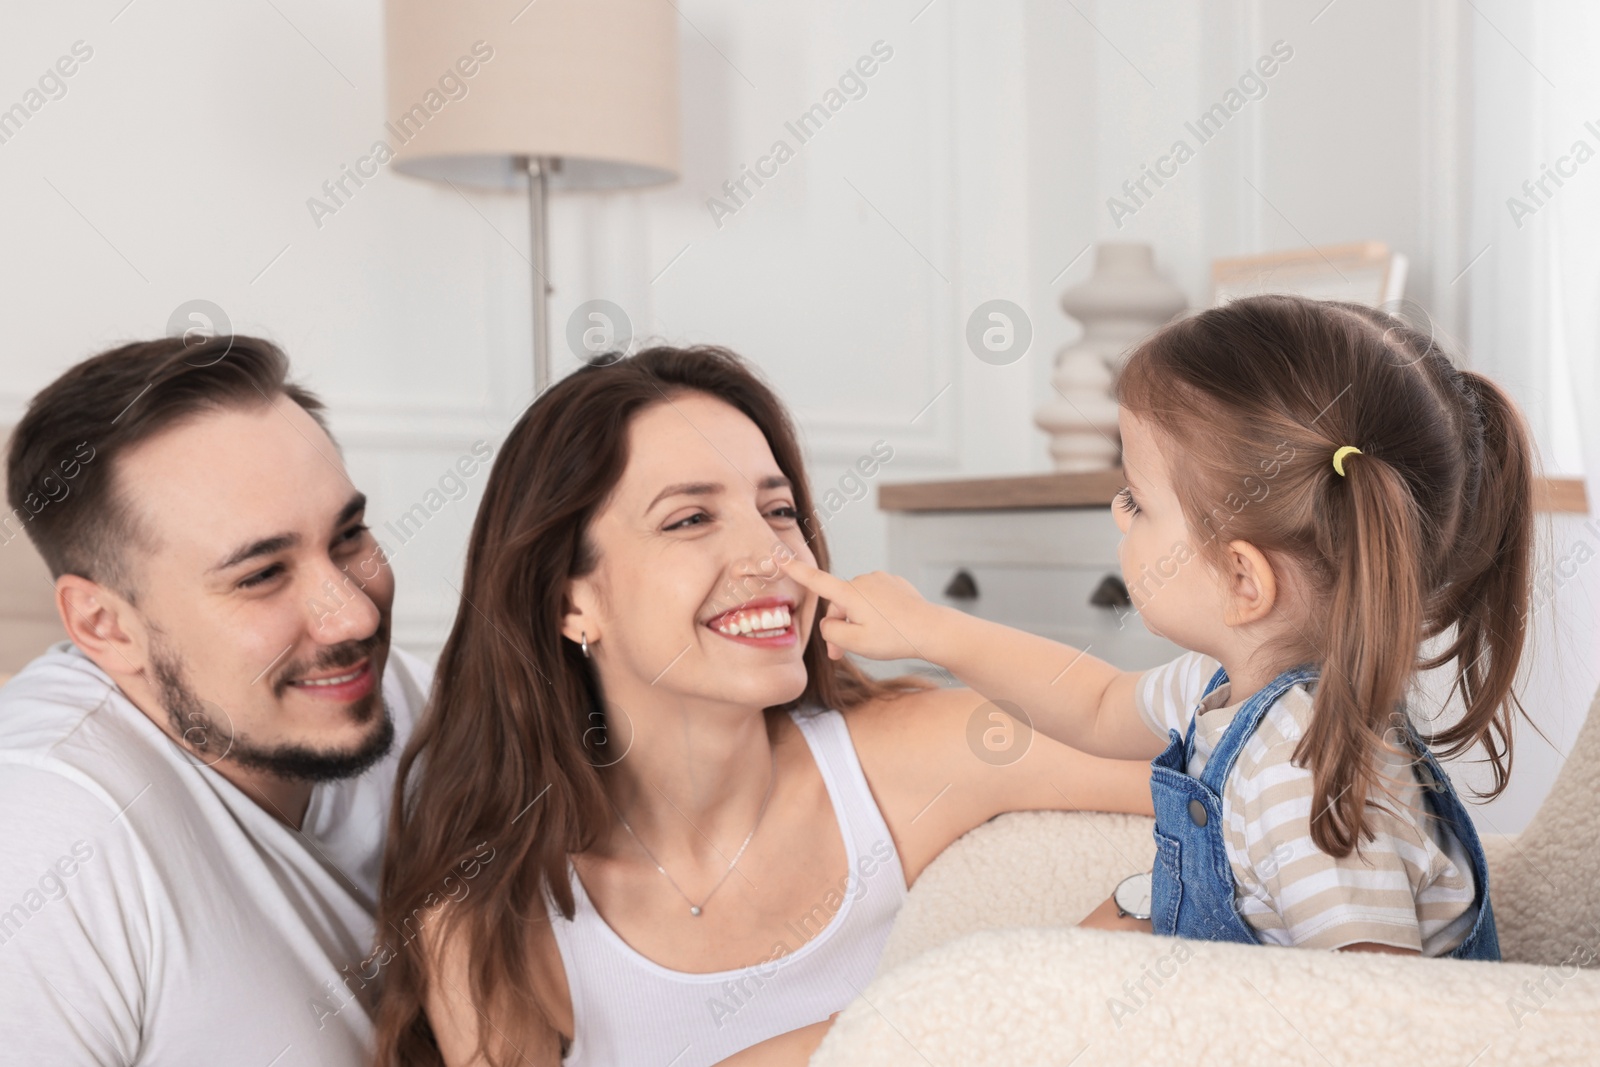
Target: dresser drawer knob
[1110,593]
[961,587]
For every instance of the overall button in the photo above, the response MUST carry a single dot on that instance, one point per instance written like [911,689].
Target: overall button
[1197,812]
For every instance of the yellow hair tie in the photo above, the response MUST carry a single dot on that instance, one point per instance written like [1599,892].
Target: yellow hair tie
[1338,457]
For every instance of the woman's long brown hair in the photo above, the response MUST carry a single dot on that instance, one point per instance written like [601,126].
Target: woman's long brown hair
[506,755]
[1429,534]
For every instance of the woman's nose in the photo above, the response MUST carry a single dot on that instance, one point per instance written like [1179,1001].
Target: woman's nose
[756,545]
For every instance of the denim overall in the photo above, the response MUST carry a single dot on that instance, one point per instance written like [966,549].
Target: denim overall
[1192,891]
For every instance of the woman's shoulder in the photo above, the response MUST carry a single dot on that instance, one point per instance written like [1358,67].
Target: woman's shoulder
[905,738]
[909,711]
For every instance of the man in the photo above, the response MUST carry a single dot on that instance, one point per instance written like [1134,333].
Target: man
[194,791]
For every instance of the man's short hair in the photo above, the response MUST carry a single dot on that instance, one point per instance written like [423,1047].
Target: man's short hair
[60,469]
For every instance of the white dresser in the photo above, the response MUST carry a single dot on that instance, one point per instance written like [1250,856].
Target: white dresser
[1034,552]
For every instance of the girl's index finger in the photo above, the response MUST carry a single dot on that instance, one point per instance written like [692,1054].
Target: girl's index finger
[818,581]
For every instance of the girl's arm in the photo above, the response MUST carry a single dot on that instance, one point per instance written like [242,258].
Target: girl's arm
[1069,695]
[942,762]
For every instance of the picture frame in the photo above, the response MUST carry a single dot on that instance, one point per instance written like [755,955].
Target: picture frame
[1364,272]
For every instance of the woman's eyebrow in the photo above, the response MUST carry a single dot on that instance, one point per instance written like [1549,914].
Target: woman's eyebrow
[687,489]
[772,481]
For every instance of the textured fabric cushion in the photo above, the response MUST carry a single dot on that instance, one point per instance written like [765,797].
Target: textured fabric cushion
[1029,868]
[1544,879]
[1091,997]
[985,966]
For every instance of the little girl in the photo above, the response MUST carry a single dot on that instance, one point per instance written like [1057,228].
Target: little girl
[1314,492]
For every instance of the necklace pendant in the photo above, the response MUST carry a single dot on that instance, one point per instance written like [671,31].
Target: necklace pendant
[695,909]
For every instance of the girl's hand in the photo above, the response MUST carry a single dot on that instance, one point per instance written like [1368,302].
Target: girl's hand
[876,615]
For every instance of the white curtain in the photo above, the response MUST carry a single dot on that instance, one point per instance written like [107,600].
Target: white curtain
[1534,296]
[1569,36]
[1532,321]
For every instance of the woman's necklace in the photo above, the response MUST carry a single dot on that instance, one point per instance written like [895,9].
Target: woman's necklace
[695,909]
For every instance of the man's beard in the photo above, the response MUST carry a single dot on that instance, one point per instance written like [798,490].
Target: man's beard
[196,723]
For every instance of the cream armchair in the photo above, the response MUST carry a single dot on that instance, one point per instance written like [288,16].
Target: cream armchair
[986,966]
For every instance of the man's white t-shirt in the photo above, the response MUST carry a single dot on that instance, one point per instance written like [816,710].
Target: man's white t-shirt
[152,913]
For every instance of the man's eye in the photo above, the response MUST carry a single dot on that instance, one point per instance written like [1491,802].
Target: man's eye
[354,533]
[261,577]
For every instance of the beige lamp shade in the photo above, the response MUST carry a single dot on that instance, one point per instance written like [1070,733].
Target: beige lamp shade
[477,87]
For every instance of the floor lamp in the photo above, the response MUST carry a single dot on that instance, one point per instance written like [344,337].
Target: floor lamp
[545,95]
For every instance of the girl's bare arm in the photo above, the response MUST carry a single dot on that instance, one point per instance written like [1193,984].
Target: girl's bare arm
[1068,694]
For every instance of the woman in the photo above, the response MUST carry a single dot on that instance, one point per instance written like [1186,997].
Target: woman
[633,826]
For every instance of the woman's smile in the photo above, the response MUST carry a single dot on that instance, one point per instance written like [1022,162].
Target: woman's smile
[766,622]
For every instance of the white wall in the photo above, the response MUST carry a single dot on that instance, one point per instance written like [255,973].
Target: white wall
[179,164]
[976,166]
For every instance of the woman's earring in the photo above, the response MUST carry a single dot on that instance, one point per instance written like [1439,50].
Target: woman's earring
[585,643]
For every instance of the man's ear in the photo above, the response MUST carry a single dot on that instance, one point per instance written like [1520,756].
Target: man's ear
[1251,585]
[103,624]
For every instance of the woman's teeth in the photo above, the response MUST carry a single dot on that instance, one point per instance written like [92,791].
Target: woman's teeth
[770,622]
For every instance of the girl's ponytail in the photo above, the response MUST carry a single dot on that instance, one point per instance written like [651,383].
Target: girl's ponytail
[1369,529]
[1488,597]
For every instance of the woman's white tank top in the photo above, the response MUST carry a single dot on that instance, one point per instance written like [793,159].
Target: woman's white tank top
[632,1012]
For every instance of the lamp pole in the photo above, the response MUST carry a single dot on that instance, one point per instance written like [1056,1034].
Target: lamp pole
[538,246]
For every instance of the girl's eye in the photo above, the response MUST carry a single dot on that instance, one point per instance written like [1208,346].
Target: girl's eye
[786,511]
[685,522]
[261,577]
[354,533]
[1125,500]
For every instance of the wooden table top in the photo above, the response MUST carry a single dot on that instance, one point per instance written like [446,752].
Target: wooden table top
[1096,488]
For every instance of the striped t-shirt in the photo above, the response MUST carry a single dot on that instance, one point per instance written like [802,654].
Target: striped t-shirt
[1410,887]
